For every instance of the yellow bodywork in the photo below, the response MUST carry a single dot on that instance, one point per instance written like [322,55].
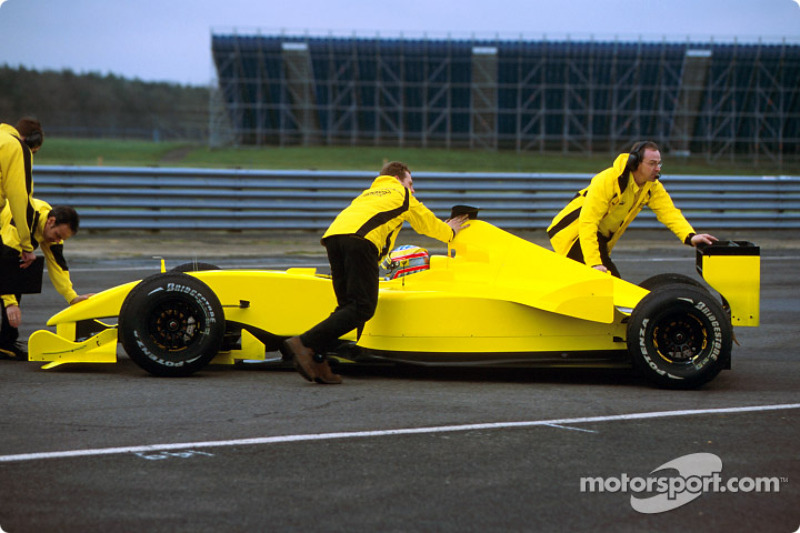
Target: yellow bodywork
[46,346]
[492,293]
[495,292]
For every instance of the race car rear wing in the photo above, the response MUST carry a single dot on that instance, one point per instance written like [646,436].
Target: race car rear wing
[734,269]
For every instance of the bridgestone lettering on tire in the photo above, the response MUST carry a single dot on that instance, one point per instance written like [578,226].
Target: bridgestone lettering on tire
[171,324]
[679,337]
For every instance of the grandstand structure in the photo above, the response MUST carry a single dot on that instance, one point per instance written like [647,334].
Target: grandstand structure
[734,100]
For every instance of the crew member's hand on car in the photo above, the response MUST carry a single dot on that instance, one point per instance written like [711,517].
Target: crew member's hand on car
[457,223]
[703,238]
[601,268]
[81,298]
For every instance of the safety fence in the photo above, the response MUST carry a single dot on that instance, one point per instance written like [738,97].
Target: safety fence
[113,198]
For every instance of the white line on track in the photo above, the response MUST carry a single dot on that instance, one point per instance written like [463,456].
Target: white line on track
[561,426]
[386,432]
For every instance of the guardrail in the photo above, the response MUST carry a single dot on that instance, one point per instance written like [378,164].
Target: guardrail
[109,198]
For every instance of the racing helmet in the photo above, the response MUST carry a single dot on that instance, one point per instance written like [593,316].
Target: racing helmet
[404,260]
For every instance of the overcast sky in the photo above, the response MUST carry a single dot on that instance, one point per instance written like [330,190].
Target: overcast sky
[170,40]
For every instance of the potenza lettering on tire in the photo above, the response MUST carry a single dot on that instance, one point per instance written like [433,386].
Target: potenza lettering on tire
[157,359]
[171,324]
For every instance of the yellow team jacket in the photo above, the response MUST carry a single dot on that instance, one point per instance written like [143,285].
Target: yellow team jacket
[16,182]
[607,206]
[378,213]
[53,253]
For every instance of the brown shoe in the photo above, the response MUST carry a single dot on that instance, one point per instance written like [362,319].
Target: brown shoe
[325,375]
[303,357]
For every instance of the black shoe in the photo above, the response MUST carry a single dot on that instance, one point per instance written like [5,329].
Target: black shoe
[13,351]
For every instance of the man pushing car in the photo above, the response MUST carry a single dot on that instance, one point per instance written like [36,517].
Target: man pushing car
[51,227]
[593,221]
[356,241]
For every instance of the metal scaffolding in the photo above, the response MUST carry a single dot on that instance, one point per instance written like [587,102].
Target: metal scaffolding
[717,100]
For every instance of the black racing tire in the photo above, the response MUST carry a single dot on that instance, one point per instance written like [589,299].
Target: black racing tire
[194,266]
[171,324]
[679,337]
[659,281]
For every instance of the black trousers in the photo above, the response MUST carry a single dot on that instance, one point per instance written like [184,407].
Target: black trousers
[576,254]
[8,333]
[354,271]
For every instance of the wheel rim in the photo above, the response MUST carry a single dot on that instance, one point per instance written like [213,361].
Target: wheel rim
[680,338]
[175,325]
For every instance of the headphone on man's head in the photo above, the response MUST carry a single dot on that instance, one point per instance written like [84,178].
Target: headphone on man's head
[34,139]
[636,155]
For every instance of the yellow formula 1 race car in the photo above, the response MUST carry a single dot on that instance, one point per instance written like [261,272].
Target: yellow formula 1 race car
[494,299]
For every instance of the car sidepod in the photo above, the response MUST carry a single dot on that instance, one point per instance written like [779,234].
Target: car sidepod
[497,299]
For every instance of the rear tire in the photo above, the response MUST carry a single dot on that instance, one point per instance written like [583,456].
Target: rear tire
[171,324]
[679,337]
[660,281]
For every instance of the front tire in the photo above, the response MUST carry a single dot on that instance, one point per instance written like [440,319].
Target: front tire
[171,324]
[194,266]
[679,337]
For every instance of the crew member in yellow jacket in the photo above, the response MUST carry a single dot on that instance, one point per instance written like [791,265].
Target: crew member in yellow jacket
[593,221]
[51,227]
[17,146]
[356,241]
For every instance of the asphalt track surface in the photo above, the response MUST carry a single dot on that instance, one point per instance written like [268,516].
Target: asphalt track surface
[89,448]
